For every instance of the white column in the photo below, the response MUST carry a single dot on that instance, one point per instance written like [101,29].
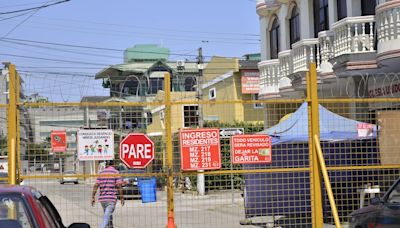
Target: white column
[332,9]
[263,36]
[306,19]
[283,24]
[353,8]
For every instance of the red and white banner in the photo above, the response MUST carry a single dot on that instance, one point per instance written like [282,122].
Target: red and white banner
[200,149]
[58,141]
[250,85]
[251,149]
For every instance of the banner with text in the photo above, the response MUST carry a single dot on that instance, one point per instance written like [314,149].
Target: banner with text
[95,144]
[200,149]
[251,149]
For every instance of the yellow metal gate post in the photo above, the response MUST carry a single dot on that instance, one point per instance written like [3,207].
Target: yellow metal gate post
[168,136]
[12,124]
[315,175]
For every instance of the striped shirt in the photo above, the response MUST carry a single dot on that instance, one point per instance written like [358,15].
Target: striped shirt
[108,184]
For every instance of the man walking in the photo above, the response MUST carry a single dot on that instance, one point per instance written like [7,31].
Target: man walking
[109,183]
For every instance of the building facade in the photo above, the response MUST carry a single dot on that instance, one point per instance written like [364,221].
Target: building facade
[354,43]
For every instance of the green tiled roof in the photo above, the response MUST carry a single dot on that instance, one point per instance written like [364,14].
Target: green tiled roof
[145,52]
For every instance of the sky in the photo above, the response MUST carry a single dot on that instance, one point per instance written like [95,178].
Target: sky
[59,46]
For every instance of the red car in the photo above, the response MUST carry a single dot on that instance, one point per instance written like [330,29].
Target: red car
[24,206]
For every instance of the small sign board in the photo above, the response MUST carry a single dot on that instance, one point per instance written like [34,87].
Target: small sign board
[228,132]
[251,149]
[200,149]
[58,141]
[95,144]
[365,130]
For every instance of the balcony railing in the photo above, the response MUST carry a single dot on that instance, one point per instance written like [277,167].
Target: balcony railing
[269,77]
[285,63]
[388,26]
[352,35]
[304,52]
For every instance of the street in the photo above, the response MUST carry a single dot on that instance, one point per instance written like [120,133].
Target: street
[213,210]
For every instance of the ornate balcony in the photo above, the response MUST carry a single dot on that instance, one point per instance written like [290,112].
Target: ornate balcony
[353,35]
[304,52]
[265,7]
[388,29]
[269,78]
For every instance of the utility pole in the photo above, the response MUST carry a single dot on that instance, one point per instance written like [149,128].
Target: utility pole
[200,174]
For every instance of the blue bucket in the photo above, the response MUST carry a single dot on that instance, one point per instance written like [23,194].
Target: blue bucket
[147,189]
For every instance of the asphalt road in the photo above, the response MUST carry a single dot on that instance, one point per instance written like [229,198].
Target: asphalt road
[212,210]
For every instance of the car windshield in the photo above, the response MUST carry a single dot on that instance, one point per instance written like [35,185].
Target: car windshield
[394,196]
[14,211]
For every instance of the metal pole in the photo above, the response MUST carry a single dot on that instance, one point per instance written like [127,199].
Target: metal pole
[327,182]
[168,136]
[18,140]
[315,174]
[200,173]
[12,125]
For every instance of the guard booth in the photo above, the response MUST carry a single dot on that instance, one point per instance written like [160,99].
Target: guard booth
[283,197]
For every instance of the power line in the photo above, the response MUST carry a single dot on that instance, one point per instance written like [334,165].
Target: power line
[34,8]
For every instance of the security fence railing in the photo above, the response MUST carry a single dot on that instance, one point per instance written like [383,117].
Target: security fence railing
[251,163]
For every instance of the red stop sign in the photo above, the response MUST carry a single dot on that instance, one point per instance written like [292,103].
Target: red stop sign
[136,150]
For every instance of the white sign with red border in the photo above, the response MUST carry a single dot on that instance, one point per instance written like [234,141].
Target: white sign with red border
[200,149]
[251,149]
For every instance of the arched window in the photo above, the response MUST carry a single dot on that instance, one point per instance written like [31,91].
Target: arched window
[274,39]
[190,83]
[294,25]
[131,87]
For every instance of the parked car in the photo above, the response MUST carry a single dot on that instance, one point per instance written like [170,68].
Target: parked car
[382,212]
[130,186]
[29,208]
[68,177]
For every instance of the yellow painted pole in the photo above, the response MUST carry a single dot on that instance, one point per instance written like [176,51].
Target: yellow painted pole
[327,182]
[18,163]
[168,136]
[12,124]
[315,175]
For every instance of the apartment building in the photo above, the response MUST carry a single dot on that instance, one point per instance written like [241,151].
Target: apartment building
[355,44]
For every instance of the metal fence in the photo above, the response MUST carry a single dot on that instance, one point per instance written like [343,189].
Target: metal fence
[287,192]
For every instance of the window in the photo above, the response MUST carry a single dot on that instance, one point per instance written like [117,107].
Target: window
[212,94]
[14,211]
[368,7]
[294,26]
[190,83]
[156,84]
[321,19]
[274,39]
[254,97]
[341,9]
[190,115]
[131,87]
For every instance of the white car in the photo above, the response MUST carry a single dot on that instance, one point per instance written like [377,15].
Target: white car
[68,177]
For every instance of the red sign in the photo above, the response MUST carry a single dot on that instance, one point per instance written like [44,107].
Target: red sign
[58,140]
[200,149]
[250,85]
[136,150]
[251,149]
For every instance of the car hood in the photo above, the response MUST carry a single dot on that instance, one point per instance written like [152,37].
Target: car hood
[364,210]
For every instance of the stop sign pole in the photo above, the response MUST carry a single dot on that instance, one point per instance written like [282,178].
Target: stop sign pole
[136,150]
